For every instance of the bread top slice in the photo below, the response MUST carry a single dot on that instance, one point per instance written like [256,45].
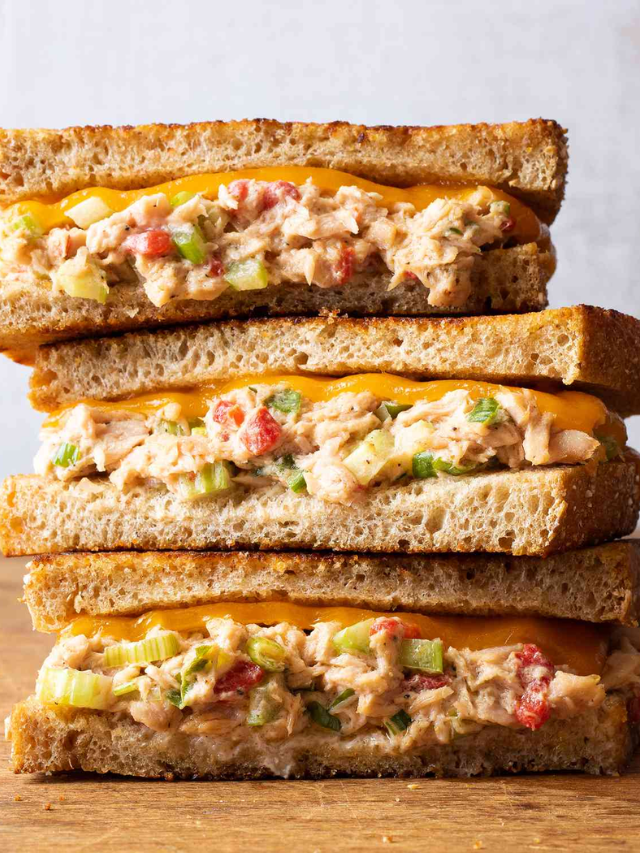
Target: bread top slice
[599,584]
[527,159]
[548,349]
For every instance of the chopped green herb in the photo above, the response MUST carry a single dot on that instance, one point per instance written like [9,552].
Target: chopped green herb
[322,717]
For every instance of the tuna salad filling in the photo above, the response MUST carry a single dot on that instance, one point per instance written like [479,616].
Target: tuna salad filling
[242,681]
[267,435]
[257,234]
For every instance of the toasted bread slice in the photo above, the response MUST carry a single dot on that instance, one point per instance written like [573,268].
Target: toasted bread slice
[54,739]
[555,348]
[527,159]
[532,512]
[503,281]
[600,584]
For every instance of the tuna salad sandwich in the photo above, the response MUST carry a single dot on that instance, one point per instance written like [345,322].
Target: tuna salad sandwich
[248,665]
[107,229]
[497,434]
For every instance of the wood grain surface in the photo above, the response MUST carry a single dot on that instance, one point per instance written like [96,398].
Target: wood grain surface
[103,814]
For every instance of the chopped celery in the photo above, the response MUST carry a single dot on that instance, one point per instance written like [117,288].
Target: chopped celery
[160,647]
[89,211]
[370,456]
[266,653]
[247,275]
[189,241]
[88,282]
[342,697]
[354,638]
[263,707]
[126,687]
[214,477]
[391,410]
[66,455]
[485,411]
[297,483]
[197,426]
[205,657]
[322,717]
[82,689]
[170,427]
[27,222]
[400,722]
[425,655]
[422,465]
[285,401]
[181,198]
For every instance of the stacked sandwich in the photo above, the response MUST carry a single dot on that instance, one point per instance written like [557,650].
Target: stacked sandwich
[464,477]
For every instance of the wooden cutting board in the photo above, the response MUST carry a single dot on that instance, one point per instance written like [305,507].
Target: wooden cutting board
[82,814]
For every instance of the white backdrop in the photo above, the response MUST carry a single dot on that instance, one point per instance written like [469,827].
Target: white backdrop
[412,62]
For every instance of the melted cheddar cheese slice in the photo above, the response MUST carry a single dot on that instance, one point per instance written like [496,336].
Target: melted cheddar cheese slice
[579,645]
[52,213]
[572,409]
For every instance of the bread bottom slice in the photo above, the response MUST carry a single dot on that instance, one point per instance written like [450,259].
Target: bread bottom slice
[504,281]
[53,739]
[532,512]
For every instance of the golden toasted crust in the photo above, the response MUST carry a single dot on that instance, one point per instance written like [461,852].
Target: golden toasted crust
[527,159]
[534,512]
[503,280]
[593,584]
[555,348]
[53,739]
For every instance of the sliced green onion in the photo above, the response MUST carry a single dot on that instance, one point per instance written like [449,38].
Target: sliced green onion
[354,638]
[79,688]
[297,483]
[285,401]
[160,647]
[175,697]
[322,717]
[286,462]
[400,722]
[266,653]
[27,222]
[197,426]
[485,411]
[425,655]
[611,446]
[454,231]
[370,456]
[388,410]
[263,708]
[89,282]
[422,465]
[450,468]
[205,657]
[342,697]
[189,241]
[181,198]
[247,275]
[89,211]
[170,427]
[500,207]
[66,455]
[127,687]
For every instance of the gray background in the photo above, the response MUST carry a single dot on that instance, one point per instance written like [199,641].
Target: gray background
[126,61]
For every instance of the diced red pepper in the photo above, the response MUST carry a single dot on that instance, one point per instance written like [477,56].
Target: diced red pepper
[344,267]
[152,244]
[508,225]
[241,677]
[261,433]
[532,709]
[226,411]
[216,268]
[411,276]
[418,682]
[532,656]
[239,190]
[277,191]
[396,627]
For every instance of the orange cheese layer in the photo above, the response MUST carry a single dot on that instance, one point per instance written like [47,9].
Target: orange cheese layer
[572,409]
[579,645]
[53,214]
